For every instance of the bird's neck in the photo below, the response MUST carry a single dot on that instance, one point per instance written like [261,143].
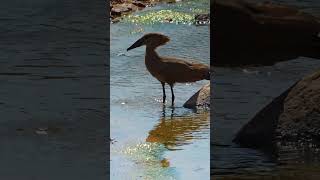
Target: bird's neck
[151,53]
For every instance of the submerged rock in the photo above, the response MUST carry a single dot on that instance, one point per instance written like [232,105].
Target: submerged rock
[200,98]
[294,116]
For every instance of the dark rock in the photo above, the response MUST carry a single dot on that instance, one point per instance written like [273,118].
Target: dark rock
[115,20]
[260,131]
[301,116]
[130,6]
[261,33]
[170,1]
[122,7]
[116,1]
[119,9]
[199,99]
[115,13]
[139,4]
[169,20]
[294,116]
[202,19]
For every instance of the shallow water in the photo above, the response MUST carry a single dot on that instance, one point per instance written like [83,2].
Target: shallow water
[241,93]
[151,141]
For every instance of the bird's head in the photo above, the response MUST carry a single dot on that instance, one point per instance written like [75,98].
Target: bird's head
[151,40]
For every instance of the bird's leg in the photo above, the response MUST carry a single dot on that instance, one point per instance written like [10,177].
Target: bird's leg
[172,94]
[163,111]
[164,93]
[172,112]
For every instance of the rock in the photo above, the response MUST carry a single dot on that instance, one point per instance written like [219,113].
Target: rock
[202,19]
[168,20]
[170,1]
[114,20]
[119,9]
[260,131]
[41,131]
[165,163]
[300,119]
[139,4]
[239,28]
[294,116]
[117,1]
[199,99]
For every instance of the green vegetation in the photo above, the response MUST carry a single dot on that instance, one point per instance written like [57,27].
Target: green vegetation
[161,16]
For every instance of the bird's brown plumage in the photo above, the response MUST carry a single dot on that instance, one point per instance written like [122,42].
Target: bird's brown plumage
[173,70]
[169,70]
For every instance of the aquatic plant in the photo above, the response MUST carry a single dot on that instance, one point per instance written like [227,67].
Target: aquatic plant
[161,16]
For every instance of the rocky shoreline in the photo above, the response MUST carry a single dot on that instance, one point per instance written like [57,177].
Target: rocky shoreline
[120,8]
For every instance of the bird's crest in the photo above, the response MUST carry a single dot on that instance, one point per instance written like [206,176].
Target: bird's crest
[151,39]
[156,38]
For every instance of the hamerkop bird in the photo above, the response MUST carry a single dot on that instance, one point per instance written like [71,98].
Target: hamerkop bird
[247,33]
[169,70]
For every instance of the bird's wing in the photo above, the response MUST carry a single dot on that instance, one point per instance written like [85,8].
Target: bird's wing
[183,64]
[183,71]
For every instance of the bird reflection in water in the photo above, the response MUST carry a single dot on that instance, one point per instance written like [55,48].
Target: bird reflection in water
[175,130]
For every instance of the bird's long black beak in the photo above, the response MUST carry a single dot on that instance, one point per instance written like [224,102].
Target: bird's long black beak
[136,44]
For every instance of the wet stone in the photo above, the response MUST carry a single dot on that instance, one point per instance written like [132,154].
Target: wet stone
[199,99]
[139,4]
[294,116]
[118,10]
[202,19]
